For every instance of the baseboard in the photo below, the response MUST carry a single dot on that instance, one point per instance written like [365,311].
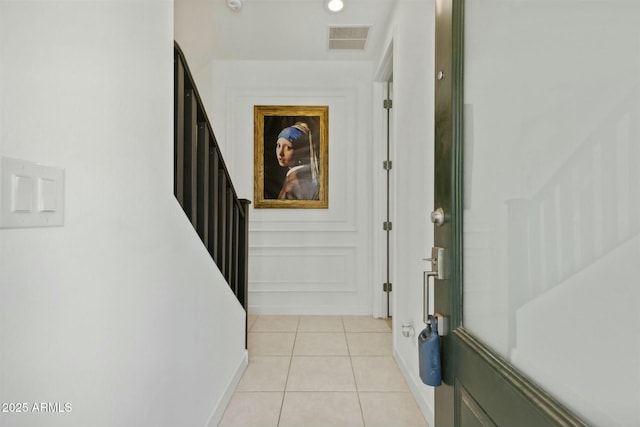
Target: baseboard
[223,402]
[415,387]
[310,311]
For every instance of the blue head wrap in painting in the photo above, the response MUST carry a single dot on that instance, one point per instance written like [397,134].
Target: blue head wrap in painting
[291,134]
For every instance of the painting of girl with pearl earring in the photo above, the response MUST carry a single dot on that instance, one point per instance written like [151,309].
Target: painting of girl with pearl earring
[291,156]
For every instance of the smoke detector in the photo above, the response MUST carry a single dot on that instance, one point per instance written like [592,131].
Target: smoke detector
[234,5]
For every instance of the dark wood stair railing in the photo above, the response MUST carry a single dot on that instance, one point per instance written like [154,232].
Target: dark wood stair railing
[203,186]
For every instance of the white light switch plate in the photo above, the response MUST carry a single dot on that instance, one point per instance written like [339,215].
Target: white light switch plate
[31,195]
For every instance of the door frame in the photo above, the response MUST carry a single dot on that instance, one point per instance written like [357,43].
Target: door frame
[384,72]
[470,368]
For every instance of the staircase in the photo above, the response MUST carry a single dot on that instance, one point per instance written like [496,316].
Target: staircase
[202,184]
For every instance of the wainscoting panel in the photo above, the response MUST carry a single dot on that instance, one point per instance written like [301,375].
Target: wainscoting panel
[305,261]
[295,269]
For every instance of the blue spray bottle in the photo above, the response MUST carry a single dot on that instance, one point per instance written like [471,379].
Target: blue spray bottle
[429,353]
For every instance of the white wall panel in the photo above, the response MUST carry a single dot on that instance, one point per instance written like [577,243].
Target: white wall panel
[297,269]
[305,261]
[343,178]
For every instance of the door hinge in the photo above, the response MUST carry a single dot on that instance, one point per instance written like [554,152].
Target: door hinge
[387,104]
[387,287]
[387,226]
[387,165]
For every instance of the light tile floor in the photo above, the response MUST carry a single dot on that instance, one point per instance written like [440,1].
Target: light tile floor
[321,371]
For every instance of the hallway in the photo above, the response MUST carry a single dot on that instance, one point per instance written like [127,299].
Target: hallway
[321,371]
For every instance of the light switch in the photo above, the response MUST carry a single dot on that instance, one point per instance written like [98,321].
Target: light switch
[47,195]
[31,194]
[22,193]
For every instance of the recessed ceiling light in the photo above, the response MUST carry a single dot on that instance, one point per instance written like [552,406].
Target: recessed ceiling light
[334,5]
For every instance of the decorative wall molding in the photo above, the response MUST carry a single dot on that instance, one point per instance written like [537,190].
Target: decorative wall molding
[310,310]
[314,261]
[302,269]
[343,146]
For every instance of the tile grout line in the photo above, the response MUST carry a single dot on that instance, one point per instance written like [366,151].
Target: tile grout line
[284,392]
[353,372]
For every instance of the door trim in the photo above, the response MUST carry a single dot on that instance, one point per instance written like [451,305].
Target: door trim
[384,72]
[489,367]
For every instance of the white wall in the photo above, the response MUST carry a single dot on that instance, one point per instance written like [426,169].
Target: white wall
[412,34]
[121,312]
[304,261]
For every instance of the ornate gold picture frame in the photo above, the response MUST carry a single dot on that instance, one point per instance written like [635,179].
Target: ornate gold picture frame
[291,157]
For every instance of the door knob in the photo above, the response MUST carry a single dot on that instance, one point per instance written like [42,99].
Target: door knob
[437,217]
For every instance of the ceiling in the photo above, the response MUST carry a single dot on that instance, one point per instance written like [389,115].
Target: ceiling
[275,29]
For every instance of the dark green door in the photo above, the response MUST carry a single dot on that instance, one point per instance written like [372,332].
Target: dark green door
[520,156]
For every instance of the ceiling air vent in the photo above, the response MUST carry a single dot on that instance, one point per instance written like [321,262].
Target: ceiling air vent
[348,38]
